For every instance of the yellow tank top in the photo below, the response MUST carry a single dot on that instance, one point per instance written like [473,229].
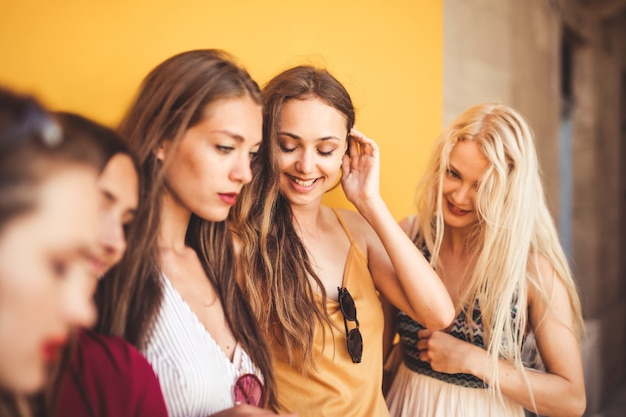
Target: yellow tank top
[339,387]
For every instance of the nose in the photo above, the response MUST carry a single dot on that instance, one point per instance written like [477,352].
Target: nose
[111,237]
[304,164]
[463,195]
[241,171]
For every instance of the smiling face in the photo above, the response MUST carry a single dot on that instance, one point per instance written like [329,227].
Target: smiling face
[210,164]
[45,276]
[118,186]
[467,165]
[312,140]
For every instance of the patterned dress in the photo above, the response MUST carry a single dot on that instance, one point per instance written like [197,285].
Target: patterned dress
[420,391]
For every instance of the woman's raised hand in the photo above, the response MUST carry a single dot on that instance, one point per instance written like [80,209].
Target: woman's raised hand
[361,169]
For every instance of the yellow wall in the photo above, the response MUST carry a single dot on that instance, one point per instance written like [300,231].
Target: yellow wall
[90,56]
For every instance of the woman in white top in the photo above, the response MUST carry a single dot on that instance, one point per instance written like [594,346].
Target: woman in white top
[195,126]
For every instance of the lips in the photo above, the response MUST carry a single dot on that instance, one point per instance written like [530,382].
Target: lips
[301,184]
[229,198]
[457,211]
[51,348]
[98,266]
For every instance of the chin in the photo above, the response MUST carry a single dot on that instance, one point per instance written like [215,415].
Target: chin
[30,381]
[214,216]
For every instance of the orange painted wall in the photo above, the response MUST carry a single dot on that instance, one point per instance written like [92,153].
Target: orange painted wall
[90,56]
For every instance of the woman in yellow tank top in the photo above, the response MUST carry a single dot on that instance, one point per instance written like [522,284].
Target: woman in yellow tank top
[314,273]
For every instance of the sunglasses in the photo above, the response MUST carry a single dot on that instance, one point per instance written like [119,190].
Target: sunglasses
[248,389]
[353,337]
[33,123]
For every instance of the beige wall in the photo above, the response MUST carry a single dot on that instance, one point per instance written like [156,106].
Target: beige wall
[509,51]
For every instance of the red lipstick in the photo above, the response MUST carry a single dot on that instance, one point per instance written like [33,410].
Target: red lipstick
[228,198]
[51,348]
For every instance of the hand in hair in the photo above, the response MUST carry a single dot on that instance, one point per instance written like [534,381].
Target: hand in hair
[361,170]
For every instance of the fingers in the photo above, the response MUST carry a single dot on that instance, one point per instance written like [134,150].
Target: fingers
[422,344]
[424,334]
[361,144]
[345,166]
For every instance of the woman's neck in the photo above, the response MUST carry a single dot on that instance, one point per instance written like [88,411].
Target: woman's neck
[173,224]
[456,242]
[307,219]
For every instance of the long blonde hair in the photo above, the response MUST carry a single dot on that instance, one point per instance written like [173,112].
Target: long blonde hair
[514,227]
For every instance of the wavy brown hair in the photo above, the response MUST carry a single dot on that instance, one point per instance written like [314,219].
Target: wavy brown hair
[171,100]
[278,284]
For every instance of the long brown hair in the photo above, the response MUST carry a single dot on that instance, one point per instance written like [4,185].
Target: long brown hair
[278,285]
[171,100]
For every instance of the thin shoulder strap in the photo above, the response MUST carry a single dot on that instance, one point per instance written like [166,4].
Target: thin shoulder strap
[343,225]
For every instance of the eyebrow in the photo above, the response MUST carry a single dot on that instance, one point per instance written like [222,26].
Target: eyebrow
[457,172]
[294,136]
[109,196]
[235,136]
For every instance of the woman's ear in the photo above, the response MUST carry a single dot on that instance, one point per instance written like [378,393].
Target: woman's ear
[161,152]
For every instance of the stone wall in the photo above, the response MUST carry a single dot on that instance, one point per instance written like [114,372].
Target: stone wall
[510,51]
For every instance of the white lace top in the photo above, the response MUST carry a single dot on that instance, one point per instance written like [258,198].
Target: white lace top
[195,374]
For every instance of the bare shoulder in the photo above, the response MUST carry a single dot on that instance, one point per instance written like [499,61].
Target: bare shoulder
[547,291]
[540,268]
[354,221]
[359,228]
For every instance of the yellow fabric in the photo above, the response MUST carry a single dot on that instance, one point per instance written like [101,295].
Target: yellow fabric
[339,387]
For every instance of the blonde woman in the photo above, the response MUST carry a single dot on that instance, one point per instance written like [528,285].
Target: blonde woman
[483,222]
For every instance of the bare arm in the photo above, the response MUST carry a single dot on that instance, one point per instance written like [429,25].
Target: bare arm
[400,271]
[559,391]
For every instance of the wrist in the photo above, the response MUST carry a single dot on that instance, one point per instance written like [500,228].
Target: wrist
[476,362]
[370,207]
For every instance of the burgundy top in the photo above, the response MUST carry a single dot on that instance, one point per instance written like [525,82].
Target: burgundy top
[109,378]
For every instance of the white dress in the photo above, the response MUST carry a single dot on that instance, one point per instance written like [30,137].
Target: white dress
[415,395]
[195,374]
[419,391]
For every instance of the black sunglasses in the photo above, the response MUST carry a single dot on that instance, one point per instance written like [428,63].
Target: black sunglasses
[354,338]
[31,122]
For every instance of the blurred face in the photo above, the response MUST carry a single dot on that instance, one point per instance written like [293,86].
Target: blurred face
[45,276]
[118,186]
[312,141]
[205,172]
[467,167]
